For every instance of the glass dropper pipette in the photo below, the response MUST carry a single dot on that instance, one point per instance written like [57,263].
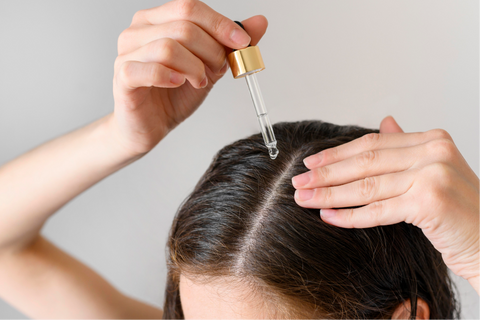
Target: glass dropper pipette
[246,63]
[262,115]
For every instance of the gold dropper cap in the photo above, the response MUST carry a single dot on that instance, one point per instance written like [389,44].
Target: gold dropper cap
[245,61]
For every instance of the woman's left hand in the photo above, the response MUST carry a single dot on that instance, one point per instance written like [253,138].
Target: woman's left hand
[419,178]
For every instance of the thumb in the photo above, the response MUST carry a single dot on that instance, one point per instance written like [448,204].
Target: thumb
[389,125]
[255,27]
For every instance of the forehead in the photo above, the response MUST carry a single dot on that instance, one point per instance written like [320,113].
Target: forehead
[223,297]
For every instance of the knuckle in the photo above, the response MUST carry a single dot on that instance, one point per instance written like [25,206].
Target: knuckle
[122,39]
[367,188]
[125,35]
[437,186]
[185,8]
[439,134]
[331,154]
[447,149]
[185,30]
[349,217]
[443,149]
[366,159]
[154,75]
[334,153]
[322,174]
[325,196]
[377,210]
[433,197]
[441,174]
[164,48]
[138,16]
[126,71]
[370,140]
[217,24]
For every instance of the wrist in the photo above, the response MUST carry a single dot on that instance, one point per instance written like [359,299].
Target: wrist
[107,131]
[129,141]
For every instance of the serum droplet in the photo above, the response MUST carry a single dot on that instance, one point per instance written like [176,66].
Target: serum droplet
[273,151]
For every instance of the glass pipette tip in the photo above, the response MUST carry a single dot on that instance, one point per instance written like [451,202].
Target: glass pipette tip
[262,115]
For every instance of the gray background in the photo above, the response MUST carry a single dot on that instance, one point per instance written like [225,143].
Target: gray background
[346,62]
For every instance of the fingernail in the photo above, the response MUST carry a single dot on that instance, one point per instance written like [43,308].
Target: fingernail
[313,160]
[302,179]
[224,68]
[204,82]
[240,37]
[304,195]
[176,78]
[327,213]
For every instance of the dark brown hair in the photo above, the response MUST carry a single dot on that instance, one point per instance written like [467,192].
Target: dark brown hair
[241,220]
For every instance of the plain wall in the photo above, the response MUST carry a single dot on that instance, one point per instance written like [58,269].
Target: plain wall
[346,62]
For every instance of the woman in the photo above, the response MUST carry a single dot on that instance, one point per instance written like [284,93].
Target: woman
[162,49]
[241,233]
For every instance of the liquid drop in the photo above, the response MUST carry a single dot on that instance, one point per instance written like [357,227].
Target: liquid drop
[273,151]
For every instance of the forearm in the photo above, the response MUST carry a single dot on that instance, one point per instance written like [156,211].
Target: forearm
[38,183]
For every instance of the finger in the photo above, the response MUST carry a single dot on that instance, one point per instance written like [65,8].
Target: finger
[218,26]
[372,141]
[379,213]
[173,55]
[135,74]
[256,27]
[389,125]
[357,193]
[365,164]
[188,34]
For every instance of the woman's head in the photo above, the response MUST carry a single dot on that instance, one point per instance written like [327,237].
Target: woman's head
[241,242]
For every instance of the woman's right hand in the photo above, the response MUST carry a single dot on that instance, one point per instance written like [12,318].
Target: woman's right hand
[168,60]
